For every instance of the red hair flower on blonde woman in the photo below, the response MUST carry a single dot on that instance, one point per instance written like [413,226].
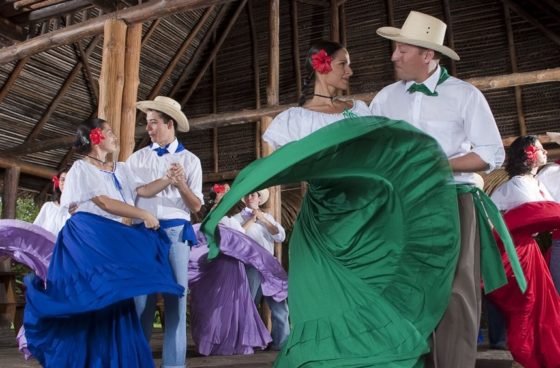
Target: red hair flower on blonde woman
[531,153]
[321,62]
[96,136]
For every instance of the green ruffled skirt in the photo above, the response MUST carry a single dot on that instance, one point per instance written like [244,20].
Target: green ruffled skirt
[375,245]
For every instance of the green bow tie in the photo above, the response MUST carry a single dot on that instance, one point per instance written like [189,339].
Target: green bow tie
[421,87]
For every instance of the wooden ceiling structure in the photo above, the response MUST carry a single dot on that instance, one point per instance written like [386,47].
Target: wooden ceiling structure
[234,64]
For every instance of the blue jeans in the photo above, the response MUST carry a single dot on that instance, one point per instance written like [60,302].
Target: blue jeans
[175,333]
[278,310]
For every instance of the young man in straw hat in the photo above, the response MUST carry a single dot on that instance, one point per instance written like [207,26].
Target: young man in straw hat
[176,175]
[457,115]
[262,228]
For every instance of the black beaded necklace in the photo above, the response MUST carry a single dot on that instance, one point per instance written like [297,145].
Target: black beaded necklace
[329,97]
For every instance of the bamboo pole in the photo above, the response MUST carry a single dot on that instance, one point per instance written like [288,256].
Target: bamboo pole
[130,90]
[136,14]
[9,196]
[111,78]
[513,61]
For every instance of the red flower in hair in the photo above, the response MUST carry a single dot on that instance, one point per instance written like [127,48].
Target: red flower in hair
[56,182]
[321,62]
[219,188]
[531,153]
[96,136]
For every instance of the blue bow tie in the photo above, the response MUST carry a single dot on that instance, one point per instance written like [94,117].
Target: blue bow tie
[161,150]
[164,151]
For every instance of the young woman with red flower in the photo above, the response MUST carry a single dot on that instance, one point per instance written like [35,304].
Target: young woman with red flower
[533,317]
[86,315]
[52,216]
[328,72]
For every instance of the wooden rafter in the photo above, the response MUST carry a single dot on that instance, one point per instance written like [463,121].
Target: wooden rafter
[52,11]
[335,21]
[107,5]
[61,93]
[256,74]
[198,52]
[545,7]
[535,22]
[11,30]
[214,52]
[136,14]
[179,54]
[12,79]
[321,3]
[150,30]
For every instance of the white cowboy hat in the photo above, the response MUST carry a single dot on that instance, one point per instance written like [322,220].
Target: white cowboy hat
[264,194]
[168,106]
[421,30]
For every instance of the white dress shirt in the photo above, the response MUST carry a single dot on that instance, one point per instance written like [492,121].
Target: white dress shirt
[147,166]
[549,176]
[459,118]
[519,190]
[298,122]
[258,232]
[52,217]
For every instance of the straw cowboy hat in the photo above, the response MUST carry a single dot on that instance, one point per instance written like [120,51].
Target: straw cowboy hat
[168,106]
[421,30]
[263,196]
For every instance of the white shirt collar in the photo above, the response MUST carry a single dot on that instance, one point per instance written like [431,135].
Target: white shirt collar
[431,82]
[172,146]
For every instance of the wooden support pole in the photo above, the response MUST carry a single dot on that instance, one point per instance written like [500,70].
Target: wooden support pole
[137,14]
[295,46]
[450,35]
[111,78]
[130,90]
[335,21]
[256,75]
[513,60]
[215,150]
[9,197]
[273,99]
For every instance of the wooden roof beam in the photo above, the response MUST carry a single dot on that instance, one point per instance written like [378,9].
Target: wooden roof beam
[107,5]
[535,22]
[52,11]
[136,14]
[11,30]
[214,52]
[12,78]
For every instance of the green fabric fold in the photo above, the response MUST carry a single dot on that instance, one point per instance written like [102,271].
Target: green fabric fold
[374,249]
[489,217]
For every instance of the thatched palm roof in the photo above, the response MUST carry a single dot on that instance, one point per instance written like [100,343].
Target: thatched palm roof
[45,94]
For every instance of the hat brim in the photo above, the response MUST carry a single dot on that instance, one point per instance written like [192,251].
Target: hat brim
[394,34]
[264,194]
[178,116]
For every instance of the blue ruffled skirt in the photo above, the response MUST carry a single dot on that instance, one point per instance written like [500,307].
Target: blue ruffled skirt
[85,317]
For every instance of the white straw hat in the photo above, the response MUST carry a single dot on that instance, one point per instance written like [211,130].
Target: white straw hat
[264,194]
[421,30]
[168,106]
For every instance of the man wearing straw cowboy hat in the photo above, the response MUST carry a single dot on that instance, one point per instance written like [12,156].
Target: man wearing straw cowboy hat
[262,228]
[175,175]
[457,115]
